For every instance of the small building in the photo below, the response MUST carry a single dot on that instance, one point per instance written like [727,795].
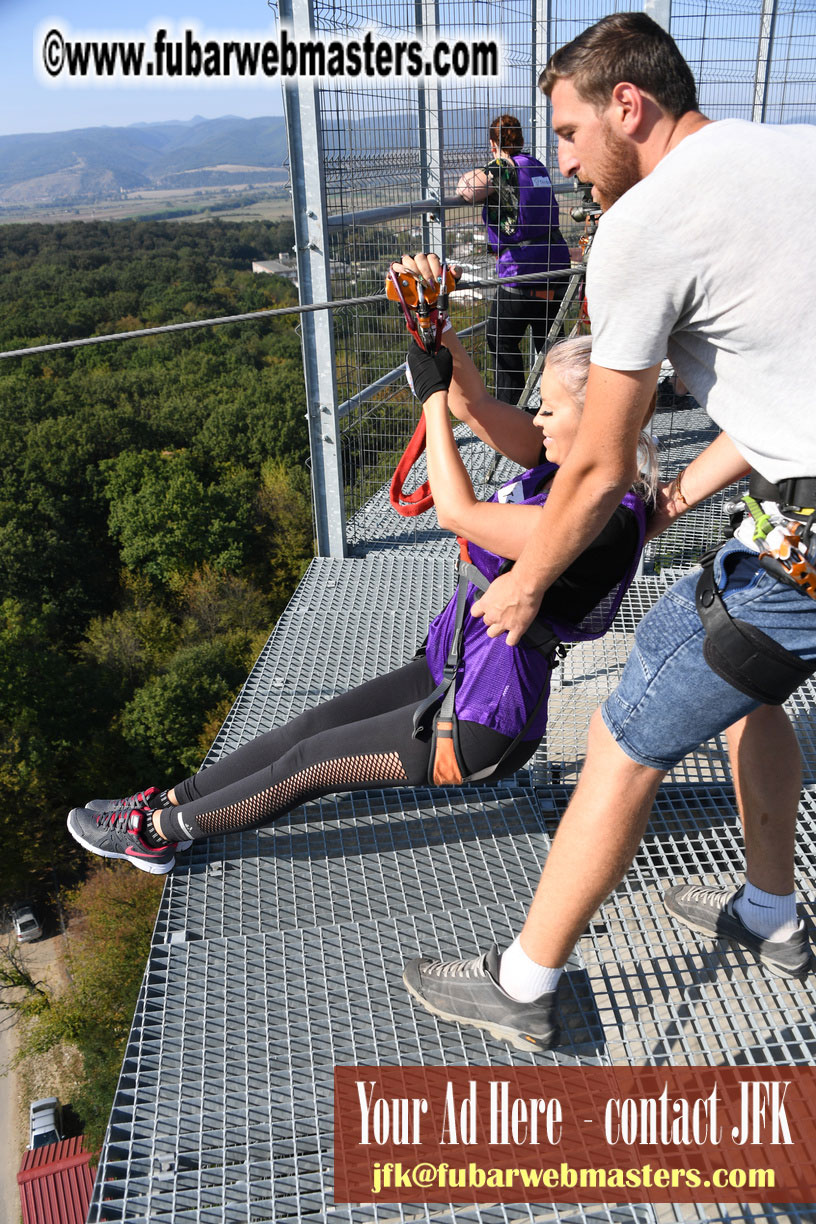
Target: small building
[284,265]
[55,1183]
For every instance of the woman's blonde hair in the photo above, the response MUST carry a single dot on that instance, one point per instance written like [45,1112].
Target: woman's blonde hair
[569,360]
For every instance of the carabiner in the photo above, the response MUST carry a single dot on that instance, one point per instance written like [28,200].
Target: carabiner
[425,310]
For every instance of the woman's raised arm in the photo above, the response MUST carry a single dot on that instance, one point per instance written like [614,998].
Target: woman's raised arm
[501,528]
[506,428]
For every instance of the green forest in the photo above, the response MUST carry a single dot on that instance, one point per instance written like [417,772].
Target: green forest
[154,512]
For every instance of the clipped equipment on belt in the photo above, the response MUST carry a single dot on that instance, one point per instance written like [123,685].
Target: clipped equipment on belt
[445,766]
[425,312]
[737,651]
[783,545]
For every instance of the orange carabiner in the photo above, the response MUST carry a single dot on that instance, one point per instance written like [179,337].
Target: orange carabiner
[408,286]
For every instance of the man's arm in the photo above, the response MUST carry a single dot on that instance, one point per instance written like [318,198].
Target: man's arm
[587,488]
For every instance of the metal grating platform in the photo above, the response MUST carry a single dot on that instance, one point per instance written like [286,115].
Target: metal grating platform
[380,527]
[278,953]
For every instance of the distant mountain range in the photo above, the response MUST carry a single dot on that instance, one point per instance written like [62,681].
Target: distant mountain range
[103,161]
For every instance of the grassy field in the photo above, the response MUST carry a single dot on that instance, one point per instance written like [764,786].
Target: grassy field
[268,201]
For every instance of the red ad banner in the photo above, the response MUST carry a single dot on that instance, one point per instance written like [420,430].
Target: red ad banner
[575,1134]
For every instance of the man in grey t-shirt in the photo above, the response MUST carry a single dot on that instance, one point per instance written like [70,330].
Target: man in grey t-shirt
[675,271]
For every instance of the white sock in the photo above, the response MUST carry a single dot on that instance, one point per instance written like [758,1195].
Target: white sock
[524,979]
[767,914]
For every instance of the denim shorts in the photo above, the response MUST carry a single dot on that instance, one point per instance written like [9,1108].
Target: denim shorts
[669,700]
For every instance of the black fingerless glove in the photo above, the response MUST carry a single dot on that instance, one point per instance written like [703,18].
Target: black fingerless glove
[428,372]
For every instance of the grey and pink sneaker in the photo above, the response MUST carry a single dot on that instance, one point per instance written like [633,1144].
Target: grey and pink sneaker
[149,799]
[119,835]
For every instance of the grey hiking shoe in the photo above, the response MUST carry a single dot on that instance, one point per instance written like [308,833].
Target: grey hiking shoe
[468,992]
[710,911]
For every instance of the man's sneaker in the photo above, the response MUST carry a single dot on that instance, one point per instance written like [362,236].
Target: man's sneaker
[148,798]
[119,835]
[468,992]
[710,910]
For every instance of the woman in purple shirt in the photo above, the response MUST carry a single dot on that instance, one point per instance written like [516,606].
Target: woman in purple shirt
[522,218]
[370,738]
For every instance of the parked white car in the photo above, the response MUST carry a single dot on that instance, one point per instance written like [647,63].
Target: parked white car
[26,926]
[45,1122]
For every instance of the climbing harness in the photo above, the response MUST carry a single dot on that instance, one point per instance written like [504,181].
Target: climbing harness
[425,312]
[445,766]
[740,653]
[548,637]
[782,522]
[768,518]
[502,204]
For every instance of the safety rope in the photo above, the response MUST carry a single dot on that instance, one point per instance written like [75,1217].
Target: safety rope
[276,312]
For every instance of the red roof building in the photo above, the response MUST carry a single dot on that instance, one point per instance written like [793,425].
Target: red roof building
[55,1183]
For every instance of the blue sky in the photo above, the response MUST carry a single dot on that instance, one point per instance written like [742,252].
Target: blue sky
[28,105]
[725,39]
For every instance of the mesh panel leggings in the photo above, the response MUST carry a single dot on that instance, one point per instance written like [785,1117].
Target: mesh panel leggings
[358,741]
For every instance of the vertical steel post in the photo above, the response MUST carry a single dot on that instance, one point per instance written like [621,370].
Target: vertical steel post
[305,140]
[659,11]
[541,143]
[762,75]
[431,137]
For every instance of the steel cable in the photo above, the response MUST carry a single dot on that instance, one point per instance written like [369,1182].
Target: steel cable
[275,312]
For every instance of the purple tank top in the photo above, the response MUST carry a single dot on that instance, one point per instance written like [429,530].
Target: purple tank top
[499,685]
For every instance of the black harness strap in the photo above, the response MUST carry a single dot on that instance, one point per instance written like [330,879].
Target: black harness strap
[798,491]
[446,759]
[740,653]
[451,667]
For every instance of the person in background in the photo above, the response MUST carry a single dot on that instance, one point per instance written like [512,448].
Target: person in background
[521,214]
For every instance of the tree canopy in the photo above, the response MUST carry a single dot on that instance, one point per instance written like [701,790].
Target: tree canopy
[154,508]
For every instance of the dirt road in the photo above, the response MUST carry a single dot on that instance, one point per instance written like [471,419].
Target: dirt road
[10,1125]
[43,960]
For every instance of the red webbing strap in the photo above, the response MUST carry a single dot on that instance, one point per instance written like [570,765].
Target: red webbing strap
[421,499]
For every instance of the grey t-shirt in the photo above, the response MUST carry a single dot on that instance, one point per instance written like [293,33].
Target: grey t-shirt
[709,260]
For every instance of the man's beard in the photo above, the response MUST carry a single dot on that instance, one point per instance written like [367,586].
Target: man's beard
[619,171]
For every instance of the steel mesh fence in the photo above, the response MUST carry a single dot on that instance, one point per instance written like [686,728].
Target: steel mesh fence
[392,157]
[723,43]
